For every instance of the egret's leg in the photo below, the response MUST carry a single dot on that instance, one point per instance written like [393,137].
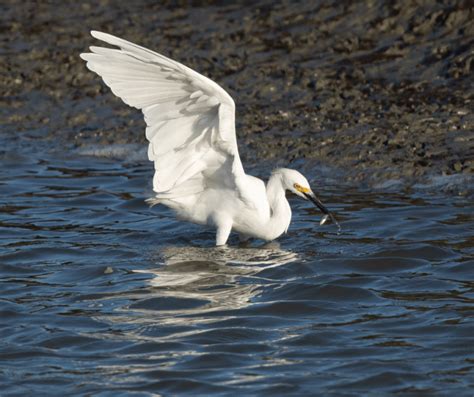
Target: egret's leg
[223,232]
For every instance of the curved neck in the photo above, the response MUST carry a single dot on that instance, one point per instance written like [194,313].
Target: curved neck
[280,215]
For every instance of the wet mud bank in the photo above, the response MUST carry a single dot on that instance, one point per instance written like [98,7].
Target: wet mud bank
[381,92]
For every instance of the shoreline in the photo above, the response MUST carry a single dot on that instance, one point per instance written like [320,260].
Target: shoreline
[382,93]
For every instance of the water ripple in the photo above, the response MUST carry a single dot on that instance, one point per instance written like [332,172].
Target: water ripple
[101,295]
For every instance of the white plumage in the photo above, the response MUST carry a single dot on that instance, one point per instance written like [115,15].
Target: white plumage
[191,129]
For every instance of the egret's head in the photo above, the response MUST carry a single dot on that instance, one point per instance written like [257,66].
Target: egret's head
[296,183]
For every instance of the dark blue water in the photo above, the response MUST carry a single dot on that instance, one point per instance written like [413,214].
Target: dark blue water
[101,295]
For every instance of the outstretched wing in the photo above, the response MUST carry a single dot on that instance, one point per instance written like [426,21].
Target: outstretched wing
[190,119]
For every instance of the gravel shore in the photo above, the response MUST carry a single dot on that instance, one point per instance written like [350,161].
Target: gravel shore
[382,92]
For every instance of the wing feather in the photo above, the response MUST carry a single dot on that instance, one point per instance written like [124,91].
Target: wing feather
[190,119]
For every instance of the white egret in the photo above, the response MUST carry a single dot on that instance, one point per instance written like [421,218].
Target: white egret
[191,129]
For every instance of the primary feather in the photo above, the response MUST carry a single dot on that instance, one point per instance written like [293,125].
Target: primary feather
[190,119]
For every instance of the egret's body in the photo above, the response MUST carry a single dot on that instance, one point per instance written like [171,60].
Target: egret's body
[191,130]
[265,215]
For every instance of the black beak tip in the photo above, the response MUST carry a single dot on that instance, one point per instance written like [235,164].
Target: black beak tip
[317,202]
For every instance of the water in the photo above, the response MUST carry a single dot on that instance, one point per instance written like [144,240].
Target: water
[101,295]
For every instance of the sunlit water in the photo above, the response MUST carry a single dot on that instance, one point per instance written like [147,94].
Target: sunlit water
[102,295]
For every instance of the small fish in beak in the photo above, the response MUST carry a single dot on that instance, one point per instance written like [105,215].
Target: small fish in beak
[324,219]
[327,215]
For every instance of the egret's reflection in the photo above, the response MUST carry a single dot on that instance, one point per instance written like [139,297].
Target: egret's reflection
[212,276]
[193,286]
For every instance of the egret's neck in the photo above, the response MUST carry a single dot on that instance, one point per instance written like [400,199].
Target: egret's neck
[280,216]
[275,191]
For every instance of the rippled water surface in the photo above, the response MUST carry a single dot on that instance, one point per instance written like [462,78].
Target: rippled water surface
[102,295]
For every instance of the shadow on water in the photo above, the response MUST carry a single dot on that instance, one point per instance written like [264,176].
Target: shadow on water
[100,294]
